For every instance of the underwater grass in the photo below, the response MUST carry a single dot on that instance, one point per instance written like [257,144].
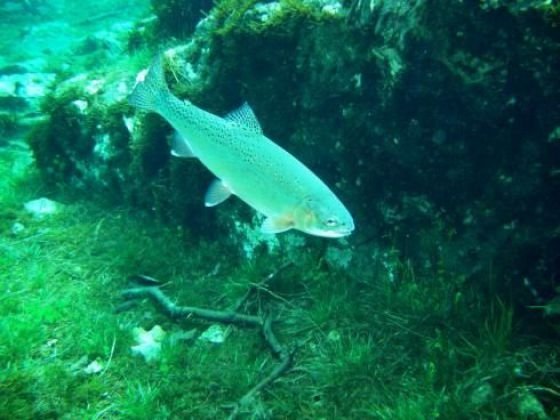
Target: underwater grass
[393,344]
[60,282]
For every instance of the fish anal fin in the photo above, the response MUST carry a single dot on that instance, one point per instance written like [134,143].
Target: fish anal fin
[217,193]
[277,224]
[180,147]
[244,117]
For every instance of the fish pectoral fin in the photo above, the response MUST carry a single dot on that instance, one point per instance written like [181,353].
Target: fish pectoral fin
[277,224]
[217,193]
[245,117]
[180,147]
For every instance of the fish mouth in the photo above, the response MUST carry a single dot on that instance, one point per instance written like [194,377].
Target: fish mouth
[343,231]
[337,235]
[331,233]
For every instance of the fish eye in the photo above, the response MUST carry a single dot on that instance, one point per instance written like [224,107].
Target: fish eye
[331,222]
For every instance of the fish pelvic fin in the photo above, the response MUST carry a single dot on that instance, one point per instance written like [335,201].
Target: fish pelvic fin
[277,224]
[217,193]
[147,92]
[180,147]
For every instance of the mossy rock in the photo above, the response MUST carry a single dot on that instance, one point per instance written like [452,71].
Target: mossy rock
[178,18]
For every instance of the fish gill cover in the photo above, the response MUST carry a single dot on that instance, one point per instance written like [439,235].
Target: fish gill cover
[437,124]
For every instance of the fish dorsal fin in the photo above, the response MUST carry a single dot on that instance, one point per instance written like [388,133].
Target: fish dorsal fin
[244,117]
[180,147]
[217,193]
[277,224]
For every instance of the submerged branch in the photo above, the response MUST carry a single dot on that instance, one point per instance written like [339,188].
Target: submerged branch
[174,311]
[245,401]
[264,323]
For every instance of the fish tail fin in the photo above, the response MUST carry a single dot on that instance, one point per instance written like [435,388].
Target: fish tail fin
[146,93]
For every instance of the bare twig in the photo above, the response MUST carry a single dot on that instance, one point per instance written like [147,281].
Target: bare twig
[260,285]
[110,355]
[175,311]
[278,371]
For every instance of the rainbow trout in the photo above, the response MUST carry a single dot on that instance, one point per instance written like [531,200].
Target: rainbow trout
[246,163]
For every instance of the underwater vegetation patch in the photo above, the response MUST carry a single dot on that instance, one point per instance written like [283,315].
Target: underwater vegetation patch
[438,125]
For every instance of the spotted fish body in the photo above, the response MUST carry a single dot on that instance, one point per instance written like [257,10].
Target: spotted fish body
[246,163]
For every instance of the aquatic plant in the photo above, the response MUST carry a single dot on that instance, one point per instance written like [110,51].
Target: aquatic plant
[179,18]
[60,137]
[8,123]
[445,148]
[360,338]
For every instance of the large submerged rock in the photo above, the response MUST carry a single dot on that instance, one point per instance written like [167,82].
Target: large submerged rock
[433,122]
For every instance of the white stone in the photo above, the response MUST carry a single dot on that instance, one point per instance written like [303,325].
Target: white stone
[26,85]
[214,334]
[148,343]
[332,9]
[42,207]
[93,367]
[17,228]
[94,86]
[81,105]
[264,11]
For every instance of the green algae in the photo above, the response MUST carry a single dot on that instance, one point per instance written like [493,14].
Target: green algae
[359,341]
[423,322]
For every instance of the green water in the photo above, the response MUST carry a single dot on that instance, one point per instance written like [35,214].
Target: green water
[438,126]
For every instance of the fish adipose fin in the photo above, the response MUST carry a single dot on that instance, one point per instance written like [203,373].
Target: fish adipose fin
[277,224]
[217,193]
[244,117]
[180,147]
[147,92]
